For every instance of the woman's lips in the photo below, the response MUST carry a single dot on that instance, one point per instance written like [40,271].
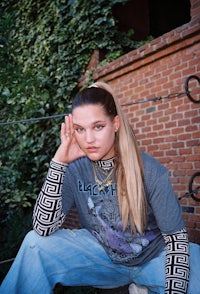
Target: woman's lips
[92,149]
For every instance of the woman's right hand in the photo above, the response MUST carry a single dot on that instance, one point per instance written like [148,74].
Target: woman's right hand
[69,149]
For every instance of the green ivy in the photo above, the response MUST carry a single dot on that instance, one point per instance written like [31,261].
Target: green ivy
[45,46]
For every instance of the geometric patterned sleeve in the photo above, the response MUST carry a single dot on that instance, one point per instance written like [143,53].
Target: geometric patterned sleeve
[177,267]
[47,214]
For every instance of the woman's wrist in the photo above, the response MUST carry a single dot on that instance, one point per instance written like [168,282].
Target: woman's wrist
[61,162]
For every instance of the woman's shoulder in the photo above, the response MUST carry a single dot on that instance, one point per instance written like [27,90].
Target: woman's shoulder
[81,164]
[152,165]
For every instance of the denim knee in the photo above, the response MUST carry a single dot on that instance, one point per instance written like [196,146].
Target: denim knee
[31,239]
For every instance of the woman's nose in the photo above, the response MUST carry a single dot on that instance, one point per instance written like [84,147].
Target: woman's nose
[89,136]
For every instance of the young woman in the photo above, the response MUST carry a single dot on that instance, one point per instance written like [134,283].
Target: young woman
[132,227]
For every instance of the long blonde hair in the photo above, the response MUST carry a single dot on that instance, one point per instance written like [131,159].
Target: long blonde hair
[129,175]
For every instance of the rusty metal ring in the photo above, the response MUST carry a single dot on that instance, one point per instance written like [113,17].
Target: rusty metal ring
[194,192]
[187,91]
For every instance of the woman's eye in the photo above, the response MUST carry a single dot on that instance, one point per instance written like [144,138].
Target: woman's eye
[79,130]
[99,127]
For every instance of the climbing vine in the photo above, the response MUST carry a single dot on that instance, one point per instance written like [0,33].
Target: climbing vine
[45,46]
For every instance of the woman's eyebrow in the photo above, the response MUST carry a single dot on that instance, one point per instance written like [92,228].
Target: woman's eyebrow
[93,123]
[99,121]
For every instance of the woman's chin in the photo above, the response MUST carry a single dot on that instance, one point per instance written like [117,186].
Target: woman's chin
[93,157]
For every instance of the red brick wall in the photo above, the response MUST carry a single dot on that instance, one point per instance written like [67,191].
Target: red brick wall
[168,129]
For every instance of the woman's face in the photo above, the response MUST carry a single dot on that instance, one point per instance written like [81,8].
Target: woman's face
[95,131]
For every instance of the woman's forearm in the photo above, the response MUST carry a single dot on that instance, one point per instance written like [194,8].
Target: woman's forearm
[47,214]
[177,266]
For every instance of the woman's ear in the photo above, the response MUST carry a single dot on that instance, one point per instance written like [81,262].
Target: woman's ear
[116,122]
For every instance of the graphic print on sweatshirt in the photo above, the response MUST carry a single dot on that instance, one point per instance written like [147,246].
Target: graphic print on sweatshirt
[108,229]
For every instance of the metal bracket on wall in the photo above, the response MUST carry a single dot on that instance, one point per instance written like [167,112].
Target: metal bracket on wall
[188,93]
[173,95]
[194,191]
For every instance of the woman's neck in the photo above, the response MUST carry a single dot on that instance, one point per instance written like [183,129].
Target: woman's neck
[105,164]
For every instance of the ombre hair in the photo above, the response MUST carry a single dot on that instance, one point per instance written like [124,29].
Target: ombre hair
[129,167]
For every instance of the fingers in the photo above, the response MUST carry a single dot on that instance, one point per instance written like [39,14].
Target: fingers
[67,129]
[71,124]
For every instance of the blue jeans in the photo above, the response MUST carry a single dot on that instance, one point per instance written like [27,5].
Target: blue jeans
[75,258]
